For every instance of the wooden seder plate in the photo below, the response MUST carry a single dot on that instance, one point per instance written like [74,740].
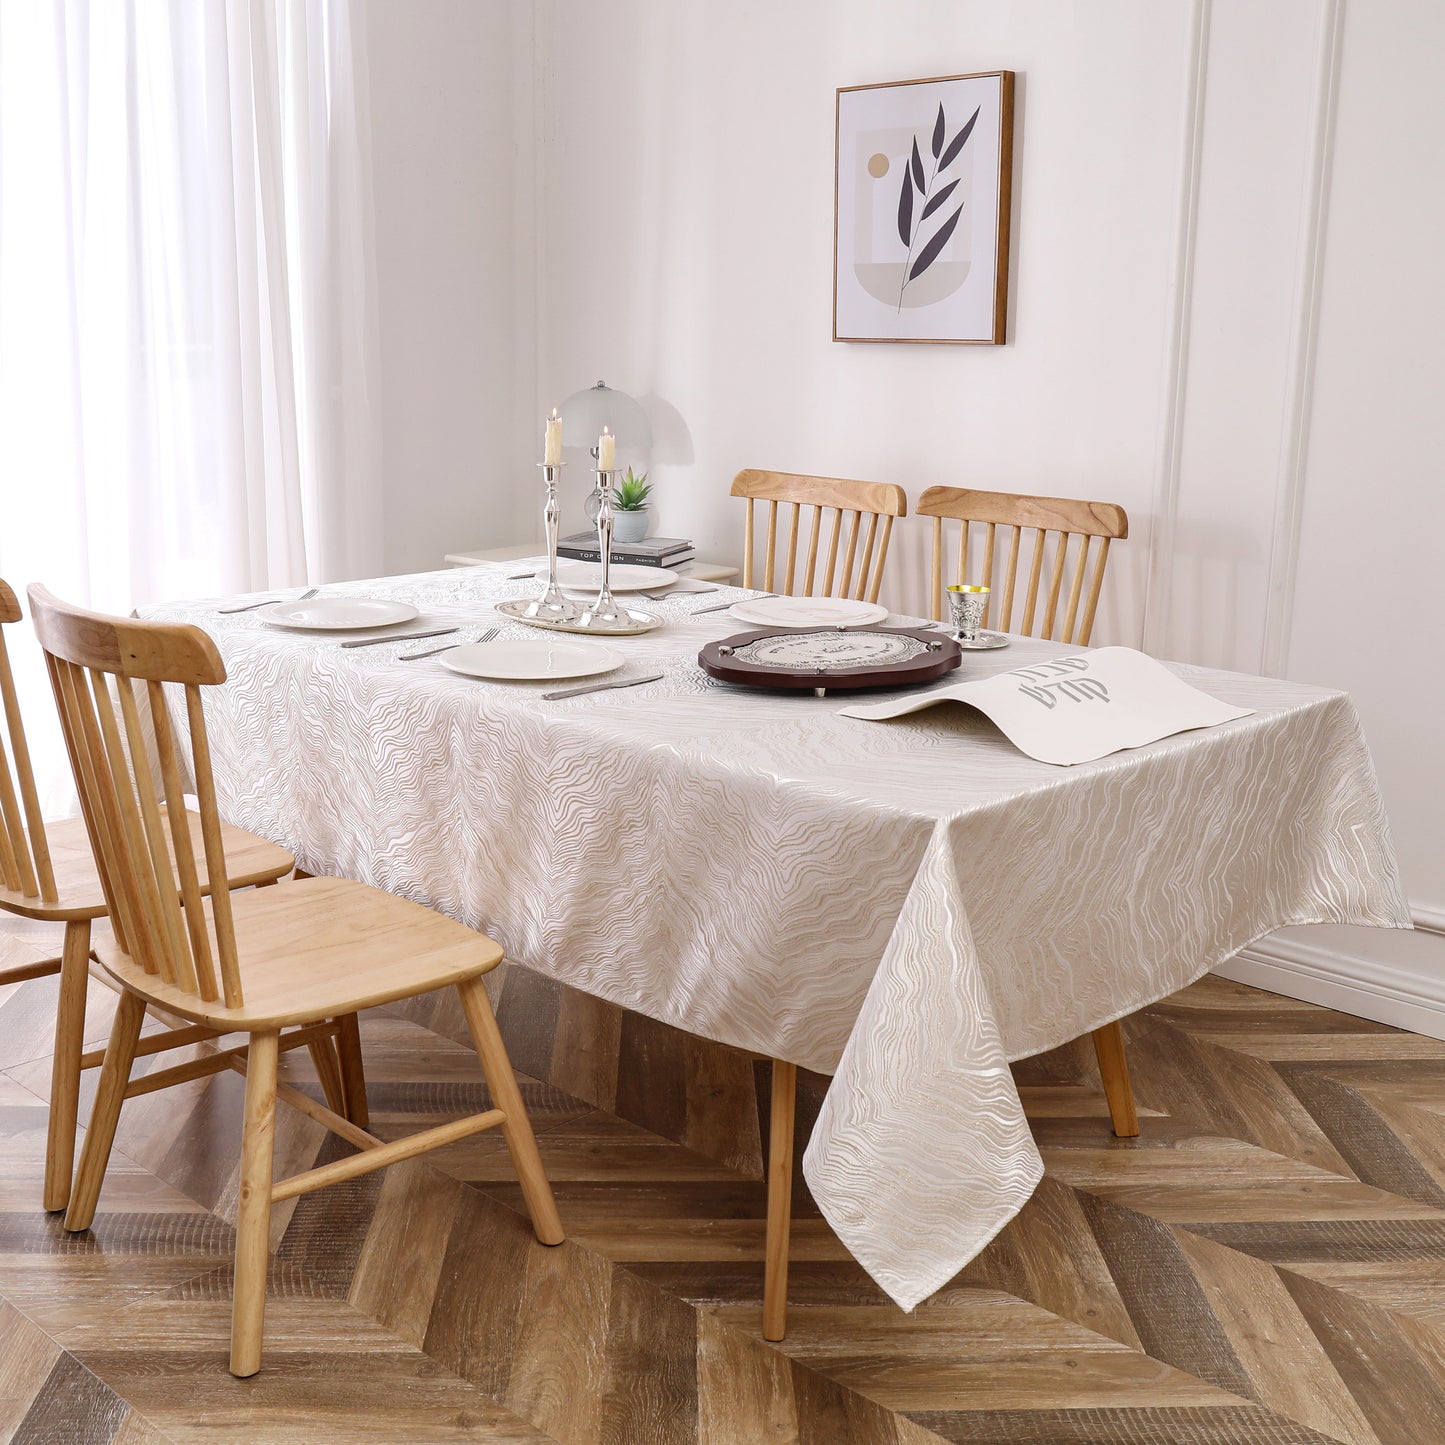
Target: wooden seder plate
[819,659]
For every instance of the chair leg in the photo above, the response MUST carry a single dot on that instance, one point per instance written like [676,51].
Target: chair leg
[353,1077]
[328,1070]
[780,1199]
[1114,1071]
[130,1013]
[65,1065]
[253,1215]
[506,1096]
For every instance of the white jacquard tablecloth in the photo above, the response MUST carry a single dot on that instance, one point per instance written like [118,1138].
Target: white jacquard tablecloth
[906,906]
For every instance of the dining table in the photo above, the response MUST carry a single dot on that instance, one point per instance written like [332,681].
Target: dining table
[905,906]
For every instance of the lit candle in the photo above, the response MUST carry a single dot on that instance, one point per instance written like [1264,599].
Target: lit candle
[552,448]
[606,451]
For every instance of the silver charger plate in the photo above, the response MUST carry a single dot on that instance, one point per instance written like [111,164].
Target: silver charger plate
[637,622]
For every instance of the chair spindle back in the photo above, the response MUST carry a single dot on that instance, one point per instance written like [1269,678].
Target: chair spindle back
[145,858]
[25,866]
[984,558]
[859,572]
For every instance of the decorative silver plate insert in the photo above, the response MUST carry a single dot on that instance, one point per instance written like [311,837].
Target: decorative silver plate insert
[830,651]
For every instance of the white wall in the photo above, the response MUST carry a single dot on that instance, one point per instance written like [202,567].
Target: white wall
[1366,592]
[686,249]
[451,135]
[1225,316]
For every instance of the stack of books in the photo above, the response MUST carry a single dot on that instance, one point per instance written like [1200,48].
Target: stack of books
[652,552]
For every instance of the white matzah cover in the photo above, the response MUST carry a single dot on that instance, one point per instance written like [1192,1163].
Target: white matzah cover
[1075,709]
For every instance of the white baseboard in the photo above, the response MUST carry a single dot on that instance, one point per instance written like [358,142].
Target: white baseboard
[1365,987]
[1428,916]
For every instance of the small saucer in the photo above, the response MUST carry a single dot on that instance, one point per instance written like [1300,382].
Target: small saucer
[984,642]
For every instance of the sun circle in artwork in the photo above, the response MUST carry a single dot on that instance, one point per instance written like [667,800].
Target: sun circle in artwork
[878,166]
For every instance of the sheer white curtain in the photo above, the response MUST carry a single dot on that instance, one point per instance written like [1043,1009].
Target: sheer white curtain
[187,299]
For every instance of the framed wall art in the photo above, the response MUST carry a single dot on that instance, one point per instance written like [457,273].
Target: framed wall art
[921,210]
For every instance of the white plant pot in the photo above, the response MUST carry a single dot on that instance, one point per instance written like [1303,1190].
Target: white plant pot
[630,526]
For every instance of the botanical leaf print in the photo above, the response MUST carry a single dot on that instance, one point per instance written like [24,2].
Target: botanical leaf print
[957,143]
[914,178]
[938,200]
[940,240]
[905,210]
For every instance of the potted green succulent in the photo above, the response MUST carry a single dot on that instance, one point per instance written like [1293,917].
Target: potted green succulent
[630,517]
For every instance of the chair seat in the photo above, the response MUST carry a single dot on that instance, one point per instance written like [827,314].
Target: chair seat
[321,947]
[249,860]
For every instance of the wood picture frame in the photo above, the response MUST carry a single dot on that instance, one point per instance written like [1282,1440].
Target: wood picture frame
[922,193]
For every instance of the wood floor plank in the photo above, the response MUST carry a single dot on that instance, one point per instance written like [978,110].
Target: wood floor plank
[400,1262]
[1190,1286]
[1286,1366]
[1396,1388]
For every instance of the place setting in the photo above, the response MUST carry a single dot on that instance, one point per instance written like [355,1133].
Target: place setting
[540,659]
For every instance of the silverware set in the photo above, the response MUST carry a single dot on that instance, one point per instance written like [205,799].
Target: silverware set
[488,636]
[267,602]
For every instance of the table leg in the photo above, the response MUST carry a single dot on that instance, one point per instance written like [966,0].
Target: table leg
[780,1200]
[1114,1070]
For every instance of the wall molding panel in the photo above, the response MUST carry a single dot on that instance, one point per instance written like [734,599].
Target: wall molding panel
[1294,441]
[1157,595]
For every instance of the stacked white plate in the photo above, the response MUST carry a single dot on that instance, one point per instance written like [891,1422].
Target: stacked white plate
[807,612]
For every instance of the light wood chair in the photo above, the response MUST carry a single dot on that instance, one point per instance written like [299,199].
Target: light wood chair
[985,558]
[47,873]
[839,508]
[982,558]
[278,964]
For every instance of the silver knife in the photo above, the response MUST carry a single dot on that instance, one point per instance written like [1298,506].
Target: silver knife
[723,606]
[400,637]
[599,687]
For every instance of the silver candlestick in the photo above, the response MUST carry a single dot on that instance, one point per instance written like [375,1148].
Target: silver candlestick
[551,606]
[604,614]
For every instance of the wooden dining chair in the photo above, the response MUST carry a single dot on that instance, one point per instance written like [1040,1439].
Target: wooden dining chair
[278,964]
[983,557]
[997,529]
[986,557]
[47,873]
[838,509]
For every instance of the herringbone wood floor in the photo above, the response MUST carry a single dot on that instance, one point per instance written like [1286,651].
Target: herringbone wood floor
[1264,1265]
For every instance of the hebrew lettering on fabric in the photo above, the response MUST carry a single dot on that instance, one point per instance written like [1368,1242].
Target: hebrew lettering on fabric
[1077,708]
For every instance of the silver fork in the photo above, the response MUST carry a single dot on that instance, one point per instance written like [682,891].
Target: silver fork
[487,636]
[267,601]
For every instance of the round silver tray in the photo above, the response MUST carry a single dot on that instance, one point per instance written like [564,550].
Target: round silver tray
[637,622]
[830,659]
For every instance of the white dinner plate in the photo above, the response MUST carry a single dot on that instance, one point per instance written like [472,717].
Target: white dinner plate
[339,614]
[587,577]
[807,612]
[532,659]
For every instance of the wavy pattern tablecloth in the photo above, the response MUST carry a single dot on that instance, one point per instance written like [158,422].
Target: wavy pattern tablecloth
[907,906]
